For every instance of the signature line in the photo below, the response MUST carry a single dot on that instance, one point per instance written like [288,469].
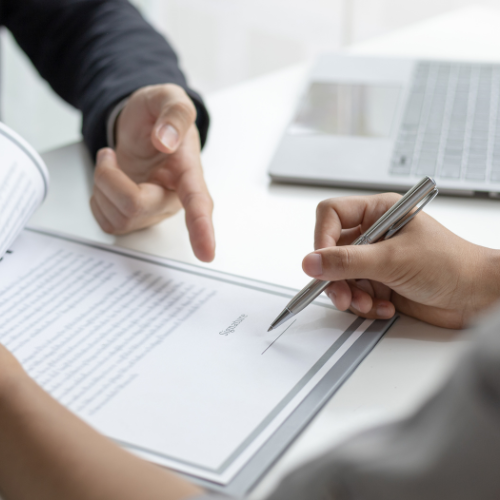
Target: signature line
[273,342]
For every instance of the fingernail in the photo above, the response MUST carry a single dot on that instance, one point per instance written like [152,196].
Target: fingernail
[331,295]
[103,153]
[355,305]
[169,136]
[384,310]
[313,264]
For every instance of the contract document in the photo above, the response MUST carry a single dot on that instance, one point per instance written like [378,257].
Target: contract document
[171,360]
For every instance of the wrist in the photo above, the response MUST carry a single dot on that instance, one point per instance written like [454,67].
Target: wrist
[112,120]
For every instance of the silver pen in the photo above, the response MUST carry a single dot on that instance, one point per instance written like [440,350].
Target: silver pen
[389,224]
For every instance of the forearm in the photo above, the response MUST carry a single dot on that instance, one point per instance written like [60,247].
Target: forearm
[48,453]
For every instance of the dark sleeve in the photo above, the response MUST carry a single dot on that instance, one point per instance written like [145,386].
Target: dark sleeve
[94,53]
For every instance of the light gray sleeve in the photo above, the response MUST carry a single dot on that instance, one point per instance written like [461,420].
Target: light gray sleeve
[449,449]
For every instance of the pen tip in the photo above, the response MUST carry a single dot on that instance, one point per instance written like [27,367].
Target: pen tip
[270,328]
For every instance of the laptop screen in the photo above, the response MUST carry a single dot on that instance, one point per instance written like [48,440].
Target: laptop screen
[347,109]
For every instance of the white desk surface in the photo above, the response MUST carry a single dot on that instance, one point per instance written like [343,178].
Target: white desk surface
[264,230]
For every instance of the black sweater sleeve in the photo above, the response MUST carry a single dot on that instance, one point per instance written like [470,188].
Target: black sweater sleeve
[94,53]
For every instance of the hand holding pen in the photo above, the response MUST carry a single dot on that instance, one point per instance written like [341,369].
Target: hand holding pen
[383,227]
[424,271]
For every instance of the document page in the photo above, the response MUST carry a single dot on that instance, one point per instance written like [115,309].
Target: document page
[172,361]
[23,185]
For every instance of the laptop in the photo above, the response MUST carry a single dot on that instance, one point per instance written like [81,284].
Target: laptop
[383,124]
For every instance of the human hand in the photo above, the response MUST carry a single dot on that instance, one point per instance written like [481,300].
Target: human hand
[156,169]
[425,271]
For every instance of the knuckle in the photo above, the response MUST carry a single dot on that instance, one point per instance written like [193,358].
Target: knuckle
[185,108]
[198,198]
[131,206]
[210,202]
[391,261]
[326,205]
[338,261]
[322,207]
[106,227]
[189,199]
[99,175]
[122,225]
[391,197]
[344,259]
[172,89]
[142,92]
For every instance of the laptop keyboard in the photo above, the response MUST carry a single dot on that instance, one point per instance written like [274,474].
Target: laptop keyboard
[451,125]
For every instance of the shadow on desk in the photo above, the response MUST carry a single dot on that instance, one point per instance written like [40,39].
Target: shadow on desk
[414,329]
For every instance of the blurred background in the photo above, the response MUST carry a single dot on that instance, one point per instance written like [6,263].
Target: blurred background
[220,43]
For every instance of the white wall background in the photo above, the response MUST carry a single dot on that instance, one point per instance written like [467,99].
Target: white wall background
[221,43]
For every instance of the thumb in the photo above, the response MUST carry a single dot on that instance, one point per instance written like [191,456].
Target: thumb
[349,262]
[176,114]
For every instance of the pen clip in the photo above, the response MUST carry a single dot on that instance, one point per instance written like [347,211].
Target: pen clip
[407,218]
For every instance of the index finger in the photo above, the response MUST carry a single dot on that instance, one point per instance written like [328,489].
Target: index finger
[337,214]
[197,202]
[183,173]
